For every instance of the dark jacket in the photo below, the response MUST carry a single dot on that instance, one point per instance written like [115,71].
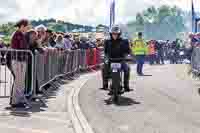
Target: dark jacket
[52,42]
[76,45]
[84,45]
[117,48]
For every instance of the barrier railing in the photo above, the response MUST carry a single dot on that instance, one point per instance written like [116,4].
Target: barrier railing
[35,71]
[14,74]
[94,57]
[195,60]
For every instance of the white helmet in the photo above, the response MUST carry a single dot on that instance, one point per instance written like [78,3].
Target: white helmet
[115,29]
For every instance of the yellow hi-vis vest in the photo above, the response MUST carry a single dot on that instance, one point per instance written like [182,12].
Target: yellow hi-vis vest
[139,47]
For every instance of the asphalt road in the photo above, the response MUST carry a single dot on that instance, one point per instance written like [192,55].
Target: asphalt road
[161,103]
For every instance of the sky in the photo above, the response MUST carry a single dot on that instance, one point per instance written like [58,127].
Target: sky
[90,12]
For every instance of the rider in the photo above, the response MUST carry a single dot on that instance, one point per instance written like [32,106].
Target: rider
[116,47]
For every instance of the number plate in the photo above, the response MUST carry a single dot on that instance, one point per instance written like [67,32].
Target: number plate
[181,53]
[116,65]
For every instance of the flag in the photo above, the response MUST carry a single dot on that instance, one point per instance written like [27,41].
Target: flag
[112,13]
[193,18]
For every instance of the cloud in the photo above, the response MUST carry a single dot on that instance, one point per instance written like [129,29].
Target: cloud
[79,11]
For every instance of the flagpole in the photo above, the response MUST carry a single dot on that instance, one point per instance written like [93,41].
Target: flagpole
[112,13]
[194,19]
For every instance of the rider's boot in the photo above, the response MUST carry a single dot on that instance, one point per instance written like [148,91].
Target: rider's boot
[105,79]
[111,91]
[126,82]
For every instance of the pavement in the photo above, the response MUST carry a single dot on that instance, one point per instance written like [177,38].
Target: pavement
[53,118]
[165,101]
[6,81]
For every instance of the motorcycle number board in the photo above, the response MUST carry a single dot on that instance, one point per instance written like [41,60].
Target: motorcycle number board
[116,65]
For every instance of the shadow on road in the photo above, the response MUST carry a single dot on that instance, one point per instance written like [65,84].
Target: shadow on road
[103,89]
[36,106]
[145,75]
[199,91]
[123,101]
[25,112]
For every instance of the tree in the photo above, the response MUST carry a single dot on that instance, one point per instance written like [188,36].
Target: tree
[139,19]
[139,22]
[159,23]
[150,15]
[163,12]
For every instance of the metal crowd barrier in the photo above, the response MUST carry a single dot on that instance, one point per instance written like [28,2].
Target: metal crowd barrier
[40,69]
[14,72]
[195,60]
[94,57]
[100,56]
[54,64]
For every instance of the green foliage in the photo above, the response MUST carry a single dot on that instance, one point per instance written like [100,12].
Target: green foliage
[7,39]
[56,27]
[162,23]
[7,29]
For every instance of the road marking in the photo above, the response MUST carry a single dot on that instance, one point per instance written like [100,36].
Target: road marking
[79,121]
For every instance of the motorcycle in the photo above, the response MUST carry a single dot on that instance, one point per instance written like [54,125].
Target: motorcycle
[116,85]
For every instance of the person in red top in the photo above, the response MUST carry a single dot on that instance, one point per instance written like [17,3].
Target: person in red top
[18,63]
[152,52]
[18,40]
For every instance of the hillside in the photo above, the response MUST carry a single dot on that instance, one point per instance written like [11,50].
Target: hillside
[58,26]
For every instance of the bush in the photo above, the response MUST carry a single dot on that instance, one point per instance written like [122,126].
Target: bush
[7,40]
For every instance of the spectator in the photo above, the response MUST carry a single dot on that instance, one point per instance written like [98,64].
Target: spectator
[49,34]
[60,42]
[31,38]
[18,41]
[92,44]
[41,39]
[99,43]
[67,42]
[84,44]
[76,44]
[152,52]
[193,41]
[160,49]
[2,44]
[52,40]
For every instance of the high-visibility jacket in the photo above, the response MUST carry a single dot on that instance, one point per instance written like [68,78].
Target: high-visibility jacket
[139,47]
[151,49]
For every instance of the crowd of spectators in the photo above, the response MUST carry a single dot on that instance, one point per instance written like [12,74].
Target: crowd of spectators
[161,51]
[39,39]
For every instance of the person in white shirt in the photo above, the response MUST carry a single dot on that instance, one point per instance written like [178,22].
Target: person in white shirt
[60,42]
